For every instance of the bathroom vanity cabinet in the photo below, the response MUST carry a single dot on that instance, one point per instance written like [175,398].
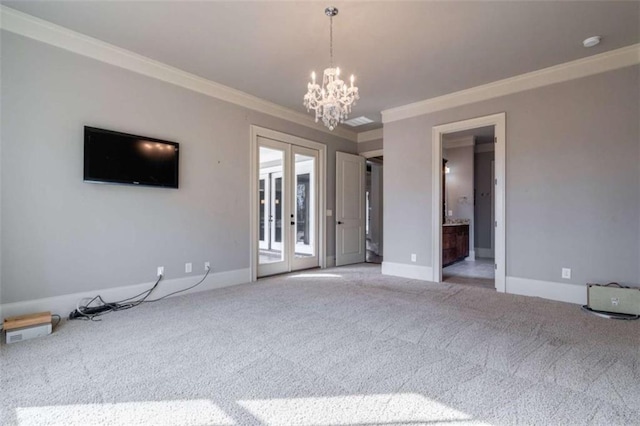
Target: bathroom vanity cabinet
[455,243]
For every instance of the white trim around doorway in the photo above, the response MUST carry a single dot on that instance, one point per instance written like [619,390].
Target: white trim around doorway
[256,132]
[499,121]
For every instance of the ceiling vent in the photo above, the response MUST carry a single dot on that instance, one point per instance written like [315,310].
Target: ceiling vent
[358,121]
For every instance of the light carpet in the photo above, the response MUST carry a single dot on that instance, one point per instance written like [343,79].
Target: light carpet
[341,346]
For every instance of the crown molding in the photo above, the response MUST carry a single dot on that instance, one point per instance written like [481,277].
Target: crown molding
[596,64]
[44,31]
[370,135]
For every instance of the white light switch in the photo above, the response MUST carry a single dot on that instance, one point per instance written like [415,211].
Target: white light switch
[450,213]
[566,273]
[187,268]
[414,257]
[329,212]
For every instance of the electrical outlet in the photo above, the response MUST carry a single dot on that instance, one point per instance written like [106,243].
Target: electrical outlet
[566,273]
[450,213]
[207,266]
[160,270]
[414,258]
[187,268]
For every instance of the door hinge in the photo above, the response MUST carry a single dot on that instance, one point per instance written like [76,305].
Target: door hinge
[495,140]
[496,181]
[496,224]
[495,266]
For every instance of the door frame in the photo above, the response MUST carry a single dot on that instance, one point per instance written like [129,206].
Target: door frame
[254,217]
[499,123]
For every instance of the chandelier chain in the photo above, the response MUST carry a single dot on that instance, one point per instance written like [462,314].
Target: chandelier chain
[331,41]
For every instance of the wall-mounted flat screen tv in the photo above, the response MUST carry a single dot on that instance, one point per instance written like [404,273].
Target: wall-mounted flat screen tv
[120,158]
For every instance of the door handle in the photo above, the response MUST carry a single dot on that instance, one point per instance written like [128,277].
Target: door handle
[339,223]
[293,223]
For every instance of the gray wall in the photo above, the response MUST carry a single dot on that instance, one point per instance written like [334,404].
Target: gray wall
[572,179]
[483,188]
[61,235]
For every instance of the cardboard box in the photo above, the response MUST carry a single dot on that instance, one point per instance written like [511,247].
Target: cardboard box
[21,321]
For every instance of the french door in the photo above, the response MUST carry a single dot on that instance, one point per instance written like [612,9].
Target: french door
[288,207]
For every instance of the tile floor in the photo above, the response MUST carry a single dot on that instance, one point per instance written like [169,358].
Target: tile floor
[479,272]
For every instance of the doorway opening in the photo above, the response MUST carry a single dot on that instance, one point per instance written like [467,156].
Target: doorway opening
[468,233]
[373,209]
[453,212]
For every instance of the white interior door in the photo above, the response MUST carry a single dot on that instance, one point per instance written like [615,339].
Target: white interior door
[288,207]
[350,208]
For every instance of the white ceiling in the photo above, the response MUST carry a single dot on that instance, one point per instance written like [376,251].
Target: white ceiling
[401,52]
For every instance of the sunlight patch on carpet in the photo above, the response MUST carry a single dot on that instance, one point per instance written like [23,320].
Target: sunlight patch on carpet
[167,413]
[401,408]
[315,276]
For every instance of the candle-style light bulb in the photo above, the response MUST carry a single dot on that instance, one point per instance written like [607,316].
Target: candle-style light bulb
[337,71]
[352,78]
[313,77]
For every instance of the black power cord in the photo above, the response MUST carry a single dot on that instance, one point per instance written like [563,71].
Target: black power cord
[88,312]
[58,322]
[180,291]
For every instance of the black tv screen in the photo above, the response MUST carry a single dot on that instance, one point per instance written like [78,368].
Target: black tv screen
[113,157]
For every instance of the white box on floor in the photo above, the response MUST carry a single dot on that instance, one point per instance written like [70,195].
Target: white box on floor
[613,297]
[26,333]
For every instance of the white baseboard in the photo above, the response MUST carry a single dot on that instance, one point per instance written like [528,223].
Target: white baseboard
[484,253]
[424,273]
[562,292]
[330,261]
[471,257]
[64,304]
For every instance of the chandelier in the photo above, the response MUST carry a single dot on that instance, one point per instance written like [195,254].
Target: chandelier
[331,101]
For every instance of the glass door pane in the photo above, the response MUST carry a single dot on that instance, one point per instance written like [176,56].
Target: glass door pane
[305,208]
[276,209]
[271,206]
[263,209]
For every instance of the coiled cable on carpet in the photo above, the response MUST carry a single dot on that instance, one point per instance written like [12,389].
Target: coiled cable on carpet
[101,307]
